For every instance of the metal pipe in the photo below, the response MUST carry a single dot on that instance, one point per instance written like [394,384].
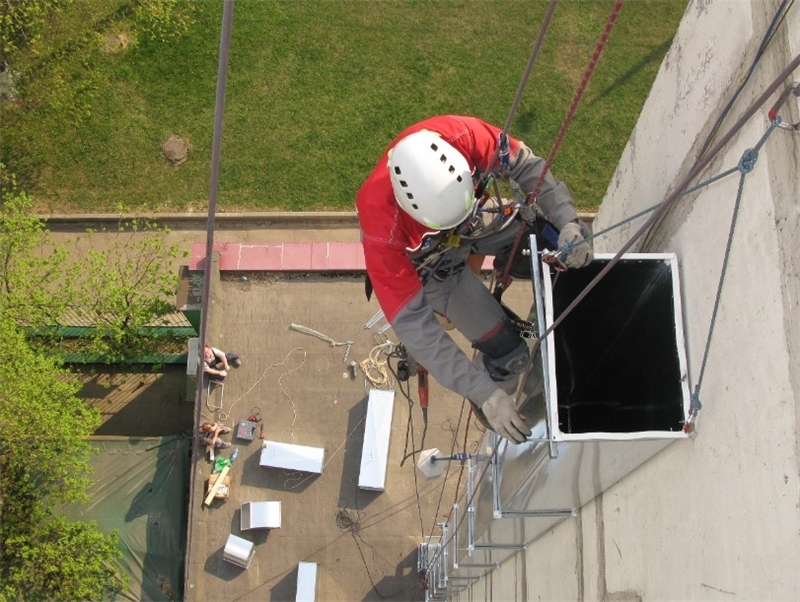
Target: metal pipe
[470,508]
[534,513]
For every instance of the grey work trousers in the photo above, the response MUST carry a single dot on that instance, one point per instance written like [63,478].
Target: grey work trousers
[465,300]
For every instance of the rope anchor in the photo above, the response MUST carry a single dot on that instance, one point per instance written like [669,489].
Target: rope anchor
[794,90]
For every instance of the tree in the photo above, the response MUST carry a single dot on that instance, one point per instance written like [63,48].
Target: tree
[128,292]
[44,462]
[44,457]
[35,275]
[123,293]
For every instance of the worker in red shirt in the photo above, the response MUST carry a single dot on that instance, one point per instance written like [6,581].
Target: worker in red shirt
[420,193]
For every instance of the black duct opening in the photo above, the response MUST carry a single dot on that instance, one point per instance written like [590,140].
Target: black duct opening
[617,362]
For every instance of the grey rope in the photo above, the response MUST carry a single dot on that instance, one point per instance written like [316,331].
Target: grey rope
[688,191]
[745,166]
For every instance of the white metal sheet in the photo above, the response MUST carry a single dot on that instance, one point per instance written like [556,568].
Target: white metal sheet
[306,582]
[275,454]
[377,432]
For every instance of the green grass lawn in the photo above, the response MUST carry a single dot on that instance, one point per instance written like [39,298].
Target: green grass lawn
[316,89]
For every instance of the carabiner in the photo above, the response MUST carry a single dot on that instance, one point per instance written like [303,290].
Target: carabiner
[553,258]
[793,88]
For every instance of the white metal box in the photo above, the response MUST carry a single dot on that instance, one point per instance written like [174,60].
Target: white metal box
[260,515]
[289,456]
[377,432]
[239,551]
[306,582]
[608,389]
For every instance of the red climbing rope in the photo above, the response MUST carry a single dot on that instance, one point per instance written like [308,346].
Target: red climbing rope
[504,280]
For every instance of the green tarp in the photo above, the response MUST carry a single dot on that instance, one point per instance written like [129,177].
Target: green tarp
[140,489]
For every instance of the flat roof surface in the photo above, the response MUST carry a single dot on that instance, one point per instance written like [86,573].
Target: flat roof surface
[364,542]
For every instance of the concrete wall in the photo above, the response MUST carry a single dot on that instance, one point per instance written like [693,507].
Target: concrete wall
[715,517]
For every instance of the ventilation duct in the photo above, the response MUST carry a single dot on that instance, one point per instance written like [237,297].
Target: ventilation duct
[607,391]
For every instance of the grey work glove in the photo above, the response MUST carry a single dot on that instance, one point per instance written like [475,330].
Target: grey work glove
[501,413]
[574,245]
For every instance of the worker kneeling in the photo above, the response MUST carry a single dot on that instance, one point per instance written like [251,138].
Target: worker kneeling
[420,225]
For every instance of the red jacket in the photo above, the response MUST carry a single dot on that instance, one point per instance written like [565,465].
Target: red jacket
[388,232]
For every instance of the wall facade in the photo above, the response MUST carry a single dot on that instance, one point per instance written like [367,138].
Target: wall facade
[716,516]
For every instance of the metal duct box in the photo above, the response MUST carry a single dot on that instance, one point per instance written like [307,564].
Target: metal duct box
[238,551]
[260,515]
[616,366]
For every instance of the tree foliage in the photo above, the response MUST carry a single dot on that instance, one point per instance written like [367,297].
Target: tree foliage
[124,293]
[66,560]
[127,293]
[44,462]
[35,275]
[44,456]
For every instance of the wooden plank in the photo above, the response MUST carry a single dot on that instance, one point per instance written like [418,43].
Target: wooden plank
[213,490]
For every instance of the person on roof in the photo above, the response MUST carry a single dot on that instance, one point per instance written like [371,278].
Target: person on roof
[217,363]
[208,434]
[420,194]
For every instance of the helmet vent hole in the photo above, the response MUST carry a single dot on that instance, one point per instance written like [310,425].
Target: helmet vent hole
[403,183]
[434,147]
[415,206]
[397,170]
[458,178]
[443,159]
[451,169]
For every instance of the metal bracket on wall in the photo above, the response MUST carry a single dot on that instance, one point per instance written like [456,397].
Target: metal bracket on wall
[534,513]
[455,536]
[500,546]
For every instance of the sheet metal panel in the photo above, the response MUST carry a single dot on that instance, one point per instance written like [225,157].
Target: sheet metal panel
[306,582]
[377,432]
[275,454]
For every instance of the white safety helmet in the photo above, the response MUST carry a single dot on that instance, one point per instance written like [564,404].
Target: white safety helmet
[432,181]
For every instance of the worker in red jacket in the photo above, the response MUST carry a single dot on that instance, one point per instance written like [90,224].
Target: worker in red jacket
[421,192]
